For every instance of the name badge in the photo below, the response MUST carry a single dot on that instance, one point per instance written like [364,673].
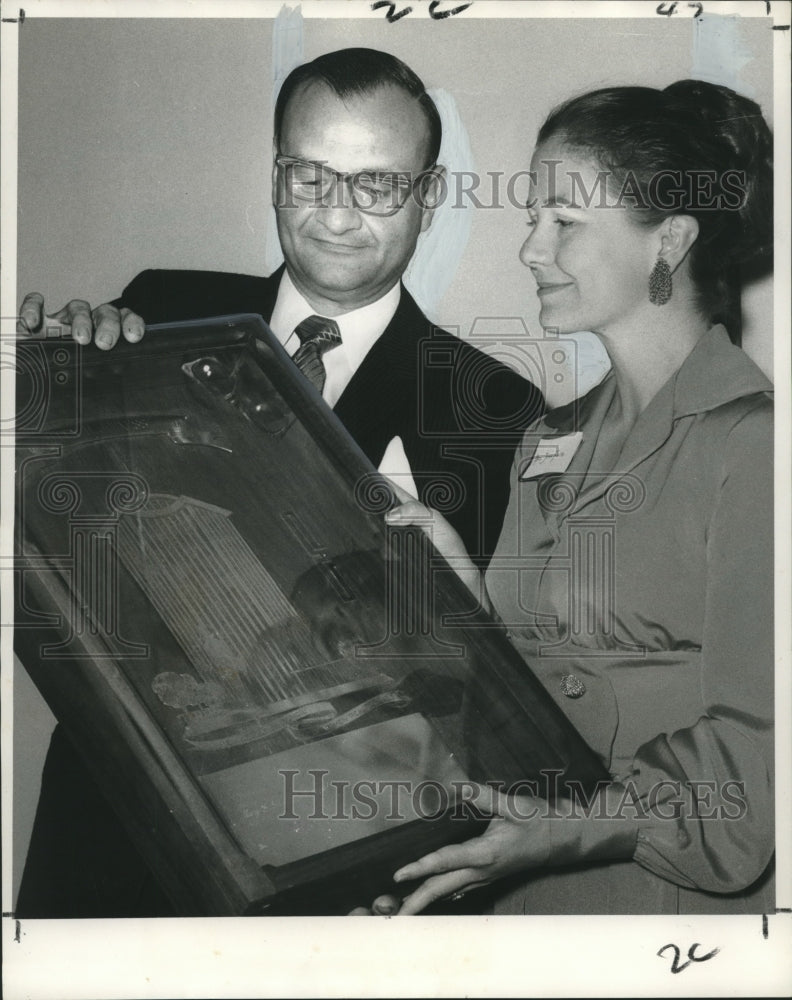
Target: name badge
[552,455]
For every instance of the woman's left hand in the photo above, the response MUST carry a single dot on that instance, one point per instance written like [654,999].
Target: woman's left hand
[524,833]
[517,838]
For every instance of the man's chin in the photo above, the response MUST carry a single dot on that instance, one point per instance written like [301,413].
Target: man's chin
[340,278]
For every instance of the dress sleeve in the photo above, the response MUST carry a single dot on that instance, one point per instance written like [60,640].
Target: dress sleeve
[707,791]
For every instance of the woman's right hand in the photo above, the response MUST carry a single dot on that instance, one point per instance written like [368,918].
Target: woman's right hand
[445,539]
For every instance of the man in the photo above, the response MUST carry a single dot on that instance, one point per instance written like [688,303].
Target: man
[355,179]
[409,394]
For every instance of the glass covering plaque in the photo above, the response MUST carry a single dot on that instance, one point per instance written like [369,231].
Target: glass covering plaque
[282,696]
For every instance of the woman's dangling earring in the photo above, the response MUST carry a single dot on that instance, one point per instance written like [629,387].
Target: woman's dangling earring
[660,282]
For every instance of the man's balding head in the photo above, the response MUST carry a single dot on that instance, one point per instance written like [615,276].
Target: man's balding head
[354,72]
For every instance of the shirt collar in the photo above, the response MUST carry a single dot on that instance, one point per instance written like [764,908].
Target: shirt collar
[713,374]
[359,328]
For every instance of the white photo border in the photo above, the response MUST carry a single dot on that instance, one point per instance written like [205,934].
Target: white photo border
[479,956]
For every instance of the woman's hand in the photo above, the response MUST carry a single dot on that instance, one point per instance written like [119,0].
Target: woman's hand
[524,833]
[444,538]
[517,838]
[509,844]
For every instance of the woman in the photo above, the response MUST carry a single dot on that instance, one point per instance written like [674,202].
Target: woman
[644,205]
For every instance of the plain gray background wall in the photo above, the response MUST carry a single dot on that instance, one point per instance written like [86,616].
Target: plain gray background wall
[146,143]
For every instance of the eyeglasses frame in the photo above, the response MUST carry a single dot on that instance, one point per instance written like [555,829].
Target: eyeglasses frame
[409,183]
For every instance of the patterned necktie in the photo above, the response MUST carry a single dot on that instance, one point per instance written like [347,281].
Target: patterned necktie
[317,334]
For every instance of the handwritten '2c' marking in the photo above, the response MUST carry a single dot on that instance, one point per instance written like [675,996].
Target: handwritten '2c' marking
[392,15]
[438,15]
[676,967]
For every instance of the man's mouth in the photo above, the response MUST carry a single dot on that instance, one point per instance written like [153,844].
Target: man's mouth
[339,246]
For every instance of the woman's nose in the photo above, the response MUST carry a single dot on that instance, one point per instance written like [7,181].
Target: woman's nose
[537,247]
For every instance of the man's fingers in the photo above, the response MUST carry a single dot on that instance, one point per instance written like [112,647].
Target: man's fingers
[77,314]
[132,326]
[107,321]
[31,313]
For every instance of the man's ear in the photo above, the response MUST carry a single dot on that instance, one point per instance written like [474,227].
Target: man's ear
[431,193]
[678,234]
[274,175]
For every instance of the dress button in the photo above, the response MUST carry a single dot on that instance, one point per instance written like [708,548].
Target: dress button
[572,686]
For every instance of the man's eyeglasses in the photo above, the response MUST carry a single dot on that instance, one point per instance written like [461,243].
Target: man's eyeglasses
[375,192]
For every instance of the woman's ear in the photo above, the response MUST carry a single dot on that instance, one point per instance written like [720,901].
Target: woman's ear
[679,233]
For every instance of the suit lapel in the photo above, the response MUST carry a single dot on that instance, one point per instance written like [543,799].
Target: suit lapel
[270,293]
[376,404]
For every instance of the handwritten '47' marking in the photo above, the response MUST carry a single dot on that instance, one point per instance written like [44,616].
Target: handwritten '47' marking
[676,967]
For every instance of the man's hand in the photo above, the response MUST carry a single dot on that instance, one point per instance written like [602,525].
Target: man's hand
[105,323]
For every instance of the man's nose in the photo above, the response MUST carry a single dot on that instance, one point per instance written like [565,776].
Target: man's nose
[337,212]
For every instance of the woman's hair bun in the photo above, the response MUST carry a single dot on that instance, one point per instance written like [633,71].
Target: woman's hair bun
[719,114]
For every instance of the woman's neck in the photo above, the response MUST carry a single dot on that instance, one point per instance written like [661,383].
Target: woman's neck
[644,358]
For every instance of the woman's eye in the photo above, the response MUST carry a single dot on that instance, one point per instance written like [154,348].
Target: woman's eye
[564,222]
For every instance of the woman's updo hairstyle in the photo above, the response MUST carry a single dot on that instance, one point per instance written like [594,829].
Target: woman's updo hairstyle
[694,148]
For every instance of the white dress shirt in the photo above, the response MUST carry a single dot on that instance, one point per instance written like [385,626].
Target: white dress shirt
[360,329]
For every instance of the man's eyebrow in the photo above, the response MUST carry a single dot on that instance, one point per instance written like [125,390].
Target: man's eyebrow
[560,200]
[361,170]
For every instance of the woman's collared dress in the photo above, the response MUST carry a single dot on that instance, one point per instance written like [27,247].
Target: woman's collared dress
[643,600]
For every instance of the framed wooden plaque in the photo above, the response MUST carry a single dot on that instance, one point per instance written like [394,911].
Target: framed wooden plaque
[281,696]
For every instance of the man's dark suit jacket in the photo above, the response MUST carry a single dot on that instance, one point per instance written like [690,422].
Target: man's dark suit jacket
[460,415]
